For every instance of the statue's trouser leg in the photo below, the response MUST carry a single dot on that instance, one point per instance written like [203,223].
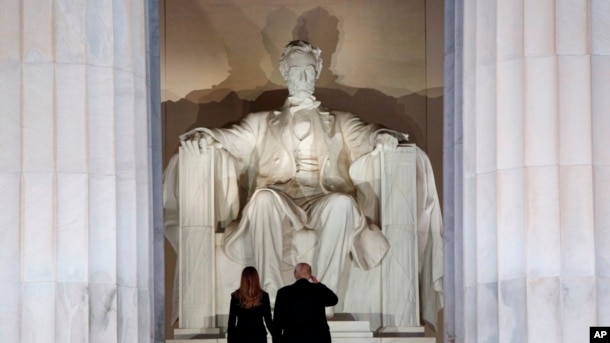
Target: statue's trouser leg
[335,217]
[270,232]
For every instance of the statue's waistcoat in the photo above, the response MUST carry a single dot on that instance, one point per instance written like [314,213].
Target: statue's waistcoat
[277,163]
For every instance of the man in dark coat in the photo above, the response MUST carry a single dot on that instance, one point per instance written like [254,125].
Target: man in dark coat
[299,314]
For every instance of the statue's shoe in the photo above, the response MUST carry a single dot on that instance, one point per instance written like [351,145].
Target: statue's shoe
[330,312]
[272,298]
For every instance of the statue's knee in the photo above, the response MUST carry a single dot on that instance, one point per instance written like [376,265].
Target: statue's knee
[341,201]
[263,198]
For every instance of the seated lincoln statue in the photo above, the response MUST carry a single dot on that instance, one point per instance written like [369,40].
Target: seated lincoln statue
[302,206]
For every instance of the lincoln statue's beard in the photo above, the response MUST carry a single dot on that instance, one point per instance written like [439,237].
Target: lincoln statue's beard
[301,89]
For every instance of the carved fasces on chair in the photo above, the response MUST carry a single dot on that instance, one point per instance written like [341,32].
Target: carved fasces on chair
[396,189]
[385,183]
[197,307]
[399,268]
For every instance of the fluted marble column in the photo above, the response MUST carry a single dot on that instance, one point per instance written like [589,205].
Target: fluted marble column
[527,170]
[79,155]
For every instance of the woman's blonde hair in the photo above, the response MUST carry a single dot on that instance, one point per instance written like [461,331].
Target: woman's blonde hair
[249,294]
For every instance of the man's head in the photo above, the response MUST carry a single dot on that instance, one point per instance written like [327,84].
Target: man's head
[300,66]
[302,271]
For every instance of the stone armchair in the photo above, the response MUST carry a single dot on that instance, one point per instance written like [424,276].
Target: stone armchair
[398,193]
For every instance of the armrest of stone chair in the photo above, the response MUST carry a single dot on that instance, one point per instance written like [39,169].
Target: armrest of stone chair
[196,233]
[396,191]
[200,191]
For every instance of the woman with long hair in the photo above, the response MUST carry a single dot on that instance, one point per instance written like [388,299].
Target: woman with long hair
[250,305]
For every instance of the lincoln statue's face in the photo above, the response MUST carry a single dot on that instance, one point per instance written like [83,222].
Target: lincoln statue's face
[301,74]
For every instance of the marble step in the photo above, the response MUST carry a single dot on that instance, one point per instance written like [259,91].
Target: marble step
[335,340]
[343,327]
[339,329]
